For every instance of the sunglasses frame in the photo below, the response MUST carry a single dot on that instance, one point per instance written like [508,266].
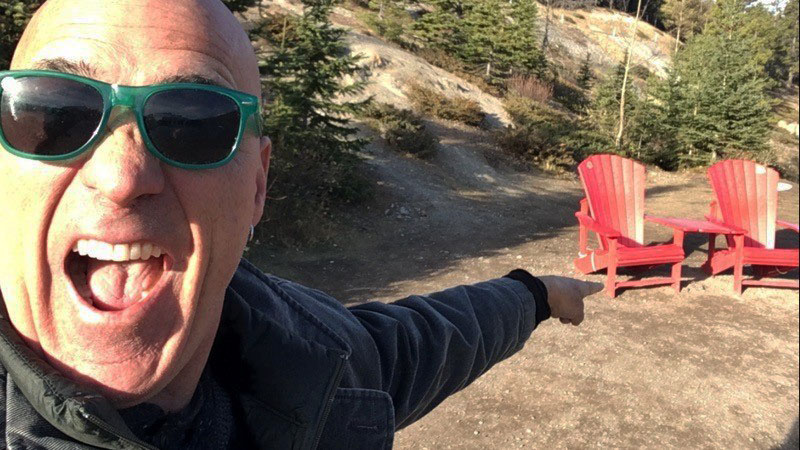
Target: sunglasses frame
[135,98]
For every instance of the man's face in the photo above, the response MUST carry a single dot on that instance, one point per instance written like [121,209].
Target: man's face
[151,323]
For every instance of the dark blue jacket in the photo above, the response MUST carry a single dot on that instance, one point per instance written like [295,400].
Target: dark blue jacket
[304,371]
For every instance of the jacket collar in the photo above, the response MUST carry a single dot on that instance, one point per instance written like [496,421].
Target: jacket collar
[282,383]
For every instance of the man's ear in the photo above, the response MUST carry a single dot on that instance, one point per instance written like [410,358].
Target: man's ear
[261,180]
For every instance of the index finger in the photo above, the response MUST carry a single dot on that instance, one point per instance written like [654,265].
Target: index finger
[590,288]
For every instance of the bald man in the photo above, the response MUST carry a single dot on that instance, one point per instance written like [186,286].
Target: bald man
[132,172]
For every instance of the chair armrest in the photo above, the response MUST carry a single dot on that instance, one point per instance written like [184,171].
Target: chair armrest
[694,226]
[791,226]
[591,224]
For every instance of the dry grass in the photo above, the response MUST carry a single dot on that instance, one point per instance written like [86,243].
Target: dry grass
[531,88]
[457,108]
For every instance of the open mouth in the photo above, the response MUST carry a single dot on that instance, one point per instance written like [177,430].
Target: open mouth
[113,277]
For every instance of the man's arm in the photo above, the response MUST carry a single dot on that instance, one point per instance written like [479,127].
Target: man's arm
[432,346]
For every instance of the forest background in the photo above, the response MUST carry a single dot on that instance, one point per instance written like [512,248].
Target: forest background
[720,96]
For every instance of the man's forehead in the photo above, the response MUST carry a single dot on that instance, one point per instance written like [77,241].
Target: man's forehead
[198,74]
[137,42]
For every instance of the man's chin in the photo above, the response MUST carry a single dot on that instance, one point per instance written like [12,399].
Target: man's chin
[124,384]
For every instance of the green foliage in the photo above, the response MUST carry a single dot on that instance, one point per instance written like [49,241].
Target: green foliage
[456,108]
[538,135]
[315,155]
[785,65]
[607,96]
[390,21]
[496,38]
[685,18]
[14,15]
[585,74]
[571,96]
[715,102]
[402,129]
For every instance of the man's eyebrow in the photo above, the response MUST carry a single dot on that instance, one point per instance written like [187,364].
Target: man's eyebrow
[85,69]
[192,78]
[67,66]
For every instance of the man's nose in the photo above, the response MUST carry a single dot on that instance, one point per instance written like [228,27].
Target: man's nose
[120,167]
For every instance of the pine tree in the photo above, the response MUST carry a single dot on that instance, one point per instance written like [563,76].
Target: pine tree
[684,17]
[496,38]
[605,107]
[314,146]
[525,55]
[790,57]
[14,15]
[585,74]
[442,28]
[717,92]
[487,46]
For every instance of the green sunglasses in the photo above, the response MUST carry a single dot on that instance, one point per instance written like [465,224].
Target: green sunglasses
[54,116]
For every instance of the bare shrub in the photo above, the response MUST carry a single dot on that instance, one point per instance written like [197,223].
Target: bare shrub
[457,108]
[531,88]
[539,135]
[402,129]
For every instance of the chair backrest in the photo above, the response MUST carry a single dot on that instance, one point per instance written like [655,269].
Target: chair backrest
[614,188]
[747,197]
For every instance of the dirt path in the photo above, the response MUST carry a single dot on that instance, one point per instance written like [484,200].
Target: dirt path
[649,369]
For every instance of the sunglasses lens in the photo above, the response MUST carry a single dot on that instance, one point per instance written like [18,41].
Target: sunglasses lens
[48,116]
[192,126]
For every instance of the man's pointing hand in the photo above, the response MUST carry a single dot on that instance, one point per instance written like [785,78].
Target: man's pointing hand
[565,297]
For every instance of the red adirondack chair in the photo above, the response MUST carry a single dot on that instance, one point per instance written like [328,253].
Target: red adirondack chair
[614,210]
[747,200]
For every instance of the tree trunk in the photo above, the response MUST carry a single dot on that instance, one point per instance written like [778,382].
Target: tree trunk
[792,51]
[546,37]
[680,25]
[631,41]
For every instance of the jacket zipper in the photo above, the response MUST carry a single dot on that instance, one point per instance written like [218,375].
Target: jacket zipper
[99,423]
[329,398]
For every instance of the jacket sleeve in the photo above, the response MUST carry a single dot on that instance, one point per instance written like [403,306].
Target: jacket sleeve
[430,347]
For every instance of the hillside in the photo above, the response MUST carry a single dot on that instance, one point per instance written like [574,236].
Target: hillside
[599,31]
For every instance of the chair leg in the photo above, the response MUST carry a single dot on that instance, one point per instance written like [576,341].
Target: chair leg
[738,267]
[738,275]
[611,281]
[676,276]
[712,248]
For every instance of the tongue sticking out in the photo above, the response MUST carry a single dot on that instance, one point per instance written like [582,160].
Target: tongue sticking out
[118,285]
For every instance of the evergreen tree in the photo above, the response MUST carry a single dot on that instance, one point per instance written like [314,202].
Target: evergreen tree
[487,46]
[684,17]
[716,96]
[315,152]
[788,55]
[14,15]
[391,20]
[442,28]
[604,110]
[497,38]
[585,74]
[525,55]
